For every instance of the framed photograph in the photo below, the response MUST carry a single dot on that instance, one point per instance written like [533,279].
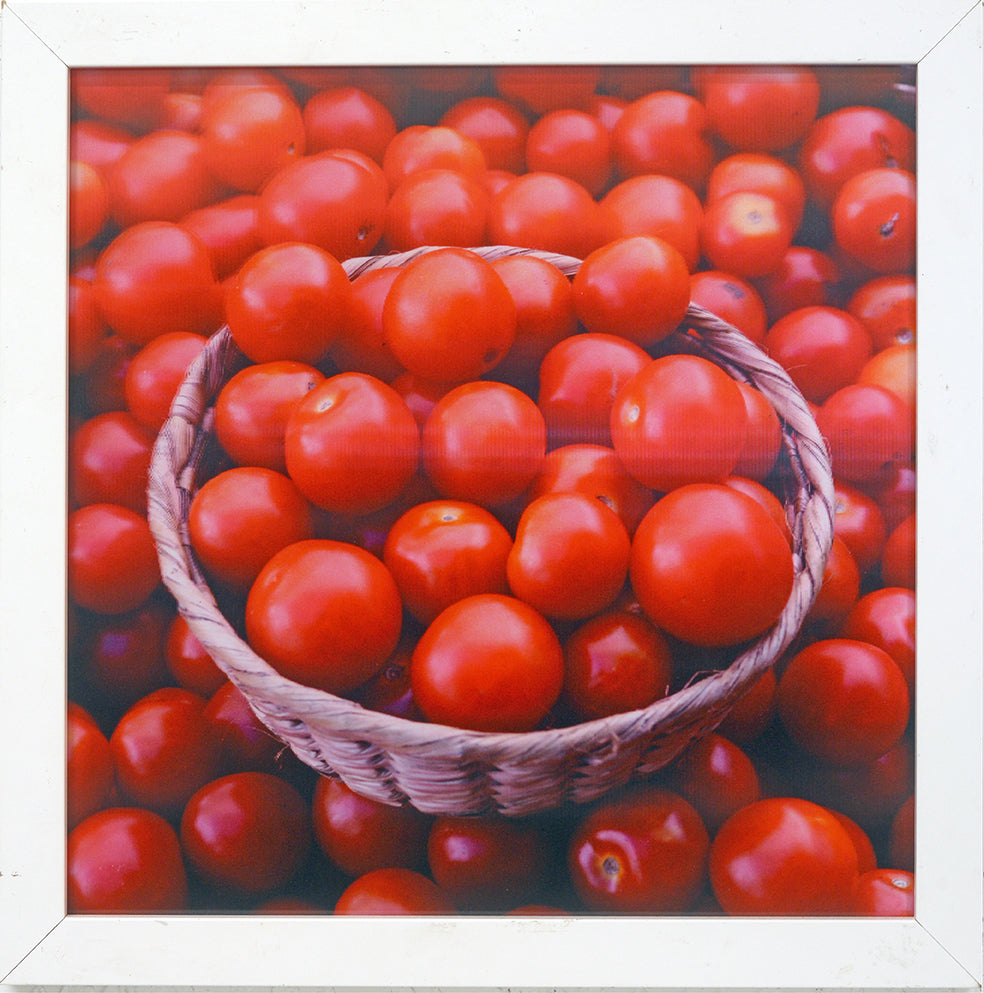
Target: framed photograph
[925,65]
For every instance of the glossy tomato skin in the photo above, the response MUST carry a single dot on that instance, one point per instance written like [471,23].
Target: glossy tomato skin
[394,892]
[88,204]
[247,833]
[351,444]
[570,558]
[109,458]
[710,566]
[763,435]
[441,551]
[731,298]
[187,661]
[422,146]
[753,172]
[783,855]
[324,613]
[860,524]
[90,772]
[228,229]
[886,618]
[155,374]
[746,233]
[361,346]
[679,420]
[839,590]
[844,701]
[886,306]
[489,663]
[543,88]
[644,852]
[573,143]
[125,860]
[499,128]
[885,893]
[348,117]
[483,442]
[805,277]
[360,835]
[436,207]
[874,219]
[898,564]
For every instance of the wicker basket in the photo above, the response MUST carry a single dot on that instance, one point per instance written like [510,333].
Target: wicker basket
[446,770]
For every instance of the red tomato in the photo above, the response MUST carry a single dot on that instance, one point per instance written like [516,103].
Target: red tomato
[894,368]
[86,329]
[97,143]
[360,835]
[488,863]
[579,379]
[246,744]
[644,852]
[759,108]
[710,566]
[663,133]
[731,298]
[423,146]
[886,618]
[874,219]
[822,349]
[545,211]
[103,383]
[325,614]
[885,893]
[420,395]
[901,839]
[441,551]
[886,306]
[361,345]
[894,490]
[448,316]
[181,112]
[898,564]
[436,207]
[348,117]
[763,436]
[131,97]
[595,471]
[164,750]
[860,524]
[125,860]
[187,661]
[783,856]
[489,663]
[160,177]
[156,277]
[497,126]
[239,519]
[389,691]
[89,771]
[679,420]
[112,559]
[746,233]
[247,833]
[570,558]
[867,860]
[252,409]
[752,172]
[351,444]
[228,229]
[389,892]
[849,141]
[249,134]
[88,203]
[332,200]
[659,206]
[844,701]
[539,89]
[109,458]
[483,442]
[288,302]
[638,288]
[614,663]
[155,374]
[805,277]
[839,589]
[571,143]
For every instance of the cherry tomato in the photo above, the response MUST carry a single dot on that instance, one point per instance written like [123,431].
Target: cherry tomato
[844,701]
[539,89]
[112,559]
[886,306]
[898,563]
[860,524]
[894,490]
[570,558]
[86,329]
[644,852]
[746,233]
[579,379]
[448,316]
[489,663]
[247,833]
[88,199]
[436,207]
[439,552]
[390,892]
[710,566]
[783,856]
[246,744]
[763,435]
[288,302]
[90,771]
[97,143]
[155,374]
[894,368]
[731,298]
[874,219]
[389,691]
[125,860]
[752,172]
[325,614]
[423,146]
[488,863]
[759,108]
[109,458]
[660,206]
[249,134]
[805,277]
[822,349]
[131,97]
[228,229]
[156,277]
[239,519]
[347,414]
[885,893]
[484,442]
[361,345]
[637,287]
[571,143]
[332,200]
[663,133]
[187,661]
[867,860]
[679,420]
[614,663]
[181,112]
[901,839]
[886,618]
[497,126]
[839,589]
[252,409]
[164,750]
[348,117]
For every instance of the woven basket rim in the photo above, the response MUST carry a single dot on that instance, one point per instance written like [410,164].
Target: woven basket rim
[811,512]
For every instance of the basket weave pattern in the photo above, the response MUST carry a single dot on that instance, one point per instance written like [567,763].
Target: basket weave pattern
[443,770]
